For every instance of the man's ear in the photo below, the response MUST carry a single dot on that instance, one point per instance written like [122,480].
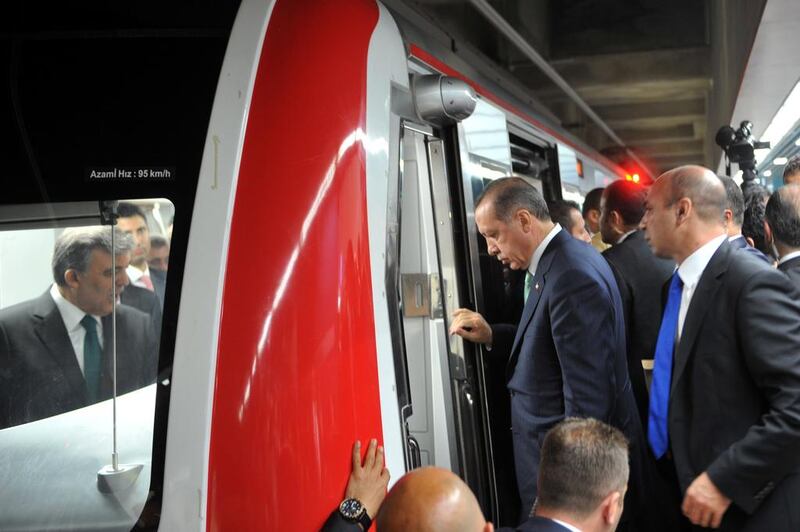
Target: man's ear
[682,209]
[71,278]
[611,507]
[768,233]
[728,214]
[489,527]
[750,242]
[616,221]
[525,219]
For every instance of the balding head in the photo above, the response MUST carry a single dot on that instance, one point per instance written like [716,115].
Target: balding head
[685,208]
[783,216]
[431,499]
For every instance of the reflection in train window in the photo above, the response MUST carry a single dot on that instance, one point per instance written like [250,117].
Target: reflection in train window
[79,323]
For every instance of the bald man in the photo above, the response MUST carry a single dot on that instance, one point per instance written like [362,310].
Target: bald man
[782,229]
[724,412]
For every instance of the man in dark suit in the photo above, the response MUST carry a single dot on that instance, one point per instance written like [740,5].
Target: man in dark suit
[640,277]
[132,220]
[782,228]
[568,353]
[55,350]
[725,397]
[734,217]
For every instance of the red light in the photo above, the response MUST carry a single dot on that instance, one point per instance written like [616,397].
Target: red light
[628,177]
[635,178]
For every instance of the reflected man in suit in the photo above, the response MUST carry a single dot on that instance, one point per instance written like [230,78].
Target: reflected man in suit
[725,398]
[782,228]
[568,352]
[55,350]
[133,221]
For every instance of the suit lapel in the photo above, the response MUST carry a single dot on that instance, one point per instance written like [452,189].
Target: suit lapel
[703,296]
[539,282]
[53,334]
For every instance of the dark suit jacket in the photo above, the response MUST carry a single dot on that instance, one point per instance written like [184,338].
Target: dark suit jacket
[640,276]
[146,301]
[741,243]
[39,373]
[792,270]
[734,408]
[536,524]
[568,358]
[159,278]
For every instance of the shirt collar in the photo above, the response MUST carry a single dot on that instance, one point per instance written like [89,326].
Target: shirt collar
[539,251]
[70,314]
[623,237]
[566,525]
[789,256]
[692,267]
[134,273]
[735,237]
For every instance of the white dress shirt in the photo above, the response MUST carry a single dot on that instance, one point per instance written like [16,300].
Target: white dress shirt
[566,525]
[621,239]
[135,274]
[539,251]
[789,256]
[72,316]
[690,271]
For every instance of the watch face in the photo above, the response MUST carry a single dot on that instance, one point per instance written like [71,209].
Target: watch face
[351,508]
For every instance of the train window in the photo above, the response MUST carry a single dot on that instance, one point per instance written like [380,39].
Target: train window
[79,337]
[537,162]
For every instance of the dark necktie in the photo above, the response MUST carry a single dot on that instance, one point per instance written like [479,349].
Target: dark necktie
[528,283]
[91,357]
[662,370]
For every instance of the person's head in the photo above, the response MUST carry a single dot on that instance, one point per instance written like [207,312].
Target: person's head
[158,258]
[591,209]
[621,209]
[83,269]
[583,474]
[132,221]
[513,217]
[431,499]
[684,210]
[568,214]
[753,224]
[791,172]
[734,208]
[782,216]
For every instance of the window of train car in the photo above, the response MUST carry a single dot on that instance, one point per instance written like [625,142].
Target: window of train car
[70,312]
[99,101]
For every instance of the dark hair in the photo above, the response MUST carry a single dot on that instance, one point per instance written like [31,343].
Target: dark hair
[783,215]
[735,199]
[158,241]
[582,462]
[627,198]
[126,210]
[753,224]
[592,200]
[508,194]
[73,248]
[792,167]
[560,212]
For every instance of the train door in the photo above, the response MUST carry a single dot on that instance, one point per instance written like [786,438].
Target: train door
[444,424]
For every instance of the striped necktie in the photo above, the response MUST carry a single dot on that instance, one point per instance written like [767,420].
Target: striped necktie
[528,283]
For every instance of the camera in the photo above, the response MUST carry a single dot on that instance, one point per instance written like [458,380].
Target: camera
[739,147]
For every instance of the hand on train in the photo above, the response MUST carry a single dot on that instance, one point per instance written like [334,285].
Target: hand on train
[471,326]
[368,482]
[704,504]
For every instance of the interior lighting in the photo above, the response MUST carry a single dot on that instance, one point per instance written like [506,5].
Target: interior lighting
[797,142]
[780,161]
[767,173]
[784,119]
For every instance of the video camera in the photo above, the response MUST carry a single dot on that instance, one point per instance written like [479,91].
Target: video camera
[739,147]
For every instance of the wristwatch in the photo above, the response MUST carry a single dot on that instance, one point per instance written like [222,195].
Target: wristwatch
[352,510]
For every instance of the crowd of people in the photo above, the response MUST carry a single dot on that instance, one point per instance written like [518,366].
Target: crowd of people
[56,349]
[678,345]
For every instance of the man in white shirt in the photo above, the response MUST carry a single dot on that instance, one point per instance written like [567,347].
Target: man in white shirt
[724,413]
[56,349]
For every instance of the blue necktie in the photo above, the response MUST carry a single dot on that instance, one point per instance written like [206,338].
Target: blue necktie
[91,358]
[662,370]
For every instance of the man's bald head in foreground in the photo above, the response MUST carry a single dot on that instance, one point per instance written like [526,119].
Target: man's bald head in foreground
[431,499]
[685,208]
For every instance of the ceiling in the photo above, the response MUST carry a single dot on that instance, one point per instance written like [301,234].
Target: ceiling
[664,76]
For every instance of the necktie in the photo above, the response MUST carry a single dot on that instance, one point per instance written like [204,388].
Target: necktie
[662,370]
[91,357]
[147,282]
[528,283]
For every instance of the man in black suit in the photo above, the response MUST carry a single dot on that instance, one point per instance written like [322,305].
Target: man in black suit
[782,228]
[568,353]
[725,396]
[55,350]
[133,221]
[144,300]
[640,277]
[734,218]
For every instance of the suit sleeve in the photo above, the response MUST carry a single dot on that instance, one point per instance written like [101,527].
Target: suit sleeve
[586,337]
[768,326]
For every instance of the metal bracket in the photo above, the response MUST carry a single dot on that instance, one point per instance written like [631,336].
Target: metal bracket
[422,295]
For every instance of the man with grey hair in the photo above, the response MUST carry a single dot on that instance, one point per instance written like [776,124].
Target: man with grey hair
[724,419]
[568,351]
[56,349]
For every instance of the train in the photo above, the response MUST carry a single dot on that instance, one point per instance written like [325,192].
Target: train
[322,160]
